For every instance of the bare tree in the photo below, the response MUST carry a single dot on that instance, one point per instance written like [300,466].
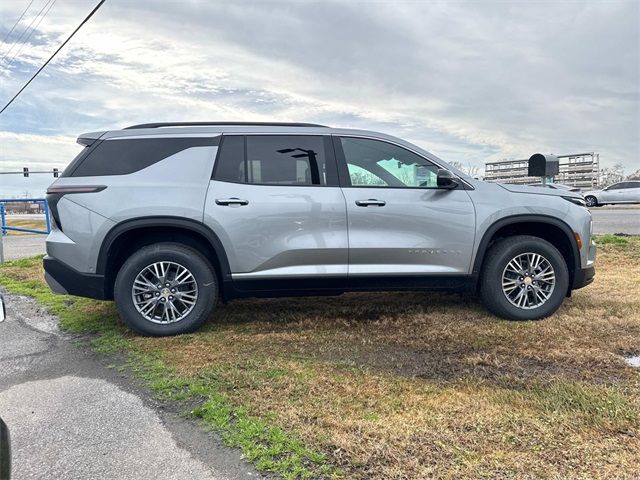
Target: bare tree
[611,175]
[634,176]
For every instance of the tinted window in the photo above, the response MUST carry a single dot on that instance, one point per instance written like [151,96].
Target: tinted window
[616,186]
[374,163]
[121,157]
[273,160]
[74,163]
[230,163]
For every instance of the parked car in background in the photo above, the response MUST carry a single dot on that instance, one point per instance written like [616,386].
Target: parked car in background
[556,186]
[167,218]
[621,192]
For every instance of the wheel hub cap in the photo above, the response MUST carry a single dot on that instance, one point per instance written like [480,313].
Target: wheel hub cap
[164,292]
[528,280]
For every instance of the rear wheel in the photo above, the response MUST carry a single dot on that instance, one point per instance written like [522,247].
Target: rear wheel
[591,201]
[524,278]
[165,289]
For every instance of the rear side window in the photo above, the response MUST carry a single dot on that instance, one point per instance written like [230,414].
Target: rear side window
[275,160]
[121,157]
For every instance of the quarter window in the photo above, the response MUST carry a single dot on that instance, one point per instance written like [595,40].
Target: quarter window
[122,157]
[374,163]
[273,160]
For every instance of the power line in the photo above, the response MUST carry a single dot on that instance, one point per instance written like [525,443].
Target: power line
[17,22]
[95,9]
[26,40]
[26,30]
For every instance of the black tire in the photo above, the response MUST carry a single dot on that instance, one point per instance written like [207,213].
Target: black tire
[192,260]
[500,254]
[591,201]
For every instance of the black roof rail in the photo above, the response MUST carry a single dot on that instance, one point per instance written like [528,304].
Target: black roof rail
[203,124]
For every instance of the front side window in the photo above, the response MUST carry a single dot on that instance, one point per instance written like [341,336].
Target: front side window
[374,163]
[273,160]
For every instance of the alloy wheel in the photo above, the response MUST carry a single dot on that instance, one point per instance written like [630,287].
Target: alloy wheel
[164,292]
[528,280]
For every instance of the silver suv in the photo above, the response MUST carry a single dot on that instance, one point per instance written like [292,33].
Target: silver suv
[167,218]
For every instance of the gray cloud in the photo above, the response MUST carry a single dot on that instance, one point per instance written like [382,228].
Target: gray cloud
[471,81]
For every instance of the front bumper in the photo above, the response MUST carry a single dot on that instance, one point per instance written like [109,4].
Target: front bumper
[61,278]
[583,277]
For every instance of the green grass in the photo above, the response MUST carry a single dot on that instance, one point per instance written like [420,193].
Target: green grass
[609,239]
[269,447]
[399,385]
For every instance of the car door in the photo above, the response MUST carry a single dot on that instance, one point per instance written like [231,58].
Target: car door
[400,223]
[613,194]
[632,192]
[275,204]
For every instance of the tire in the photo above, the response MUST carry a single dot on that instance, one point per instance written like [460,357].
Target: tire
[497,270]
[174,310]
[591,201]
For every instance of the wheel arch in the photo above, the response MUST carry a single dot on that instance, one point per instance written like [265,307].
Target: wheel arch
[127,236]
[557,232]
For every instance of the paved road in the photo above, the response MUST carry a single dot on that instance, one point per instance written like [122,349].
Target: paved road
[616,219]
[70,417]
[22,246]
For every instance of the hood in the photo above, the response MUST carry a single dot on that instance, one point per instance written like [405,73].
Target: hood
[539,190]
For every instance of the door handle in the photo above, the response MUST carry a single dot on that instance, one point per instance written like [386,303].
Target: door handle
[371,202]
[231,201]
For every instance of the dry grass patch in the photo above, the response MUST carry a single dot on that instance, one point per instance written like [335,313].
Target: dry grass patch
[24,223]
[416,385]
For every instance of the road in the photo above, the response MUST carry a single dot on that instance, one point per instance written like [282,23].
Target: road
[71,417]
[616,219]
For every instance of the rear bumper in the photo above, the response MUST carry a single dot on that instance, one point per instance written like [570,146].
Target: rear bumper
[583,277]
[61,278]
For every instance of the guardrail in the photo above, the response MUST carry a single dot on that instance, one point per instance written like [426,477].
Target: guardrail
[4,228]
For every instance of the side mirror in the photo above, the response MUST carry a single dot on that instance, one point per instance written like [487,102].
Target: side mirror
[446,179]
[5,452]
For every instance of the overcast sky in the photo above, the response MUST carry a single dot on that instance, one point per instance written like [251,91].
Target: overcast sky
[470,81]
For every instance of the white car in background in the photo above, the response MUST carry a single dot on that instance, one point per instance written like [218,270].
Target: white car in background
[621,192]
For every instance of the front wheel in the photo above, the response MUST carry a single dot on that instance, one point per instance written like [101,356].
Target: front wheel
[523,278]
[165,289]
[591,201]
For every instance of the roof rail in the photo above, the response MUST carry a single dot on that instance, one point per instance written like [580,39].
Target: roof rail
[203,124]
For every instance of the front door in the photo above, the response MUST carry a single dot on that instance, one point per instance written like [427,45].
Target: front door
[275,204]
[613,194]
[400,223]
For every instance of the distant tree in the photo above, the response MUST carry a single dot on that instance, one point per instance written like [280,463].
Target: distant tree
[634,176]
[611,175]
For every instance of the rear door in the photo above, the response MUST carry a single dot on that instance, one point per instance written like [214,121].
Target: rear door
[275,203]
[400,223]
[632,192]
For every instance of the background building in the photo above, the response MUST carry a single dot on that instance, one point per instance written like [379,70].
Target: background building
[580,170]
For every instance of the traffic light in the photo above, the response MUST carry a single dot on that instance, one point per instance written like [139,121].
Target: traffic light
[25,171]
[55,173]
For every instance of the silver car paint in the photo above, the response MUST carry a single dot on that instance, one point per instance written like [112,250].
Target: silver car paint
[615,195]
[297,231]
[283,231]
[417,231]
[175,186]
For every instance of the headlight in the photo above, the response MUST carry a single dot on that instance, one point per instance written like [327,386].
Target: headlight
[577,201]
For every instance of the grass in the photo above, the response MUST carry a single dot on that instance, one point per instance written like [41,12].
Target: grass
[24,223]
[400,385]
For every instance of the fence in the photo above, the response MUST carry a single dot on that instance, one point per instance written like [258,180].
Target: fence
[4,228]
